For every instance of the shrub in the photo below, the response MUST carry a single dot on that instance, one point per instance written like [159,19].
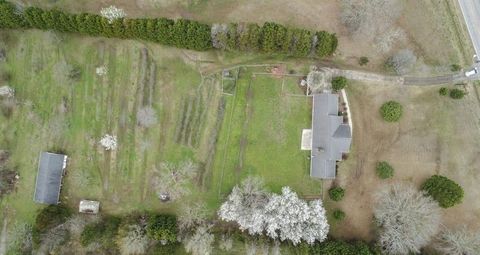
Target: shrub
[443,91]
[391,111]
[339,247]
[455,67]
[457,93]
[162,227]
[339,83]
[47,218]
[103,232]
[363,61]
[384,170]
[445,191]
[339,214]
[336,193]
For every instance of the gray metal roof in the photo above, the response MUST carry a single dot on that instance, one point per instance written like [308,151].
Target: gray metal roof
[49,177]
[330,137]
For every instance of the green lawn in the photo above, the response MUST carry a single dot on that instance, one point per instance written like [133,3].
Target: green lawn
[261,136]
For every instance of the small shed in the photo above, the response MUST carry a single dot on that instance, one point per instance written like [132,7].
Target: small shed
[51,167]
[89,206]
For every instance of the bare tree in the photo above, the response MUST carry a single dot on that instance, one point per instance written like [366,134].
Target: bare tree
[133,241]
[402,62]
[191,216]
[173,180]
[226,243]
[146,117]
[458,242]
[245,205]
[200,243]
[219,35]
[373,20]
[407,218]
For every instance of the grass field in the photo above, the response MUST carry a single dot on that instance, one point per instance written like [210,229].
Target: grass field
[254,131]
[57,114]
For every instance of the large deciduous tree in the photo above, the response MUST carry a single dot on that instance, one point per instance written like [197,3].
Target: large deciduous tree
[281,216]
[407,218]
[287,217]
[245,205]
[458,242]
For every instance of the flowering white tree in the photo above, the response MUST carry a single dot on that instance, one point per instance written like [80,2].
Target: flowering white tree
[200,243]
[7,91]
[245,205]
[290,218]
[407,218]
[101,70]
[283,217]
[112,13]
[109,142]
[458,242]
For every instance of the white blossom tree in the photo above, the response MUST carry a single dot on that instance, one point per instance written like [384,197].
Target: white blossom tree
[460,241]
[200,243]
[245,205]
[109,142]
[112,13]
[146,117]
[7,91]
[173,180]
[219,35]
[101,70]
[283,217]
[290,218]
[407,219]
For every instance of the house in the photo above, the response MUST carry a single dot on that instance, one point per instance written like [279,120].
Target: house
[51,168]
[331,138]
[89,206]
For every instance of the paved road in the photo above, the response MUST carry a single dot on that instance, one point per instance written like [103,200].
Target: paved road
[471,14]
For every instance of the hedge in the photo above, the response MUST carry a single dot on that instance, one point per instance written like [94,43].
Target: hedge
[181,33]
[445,191]
[338,247]
[162,227]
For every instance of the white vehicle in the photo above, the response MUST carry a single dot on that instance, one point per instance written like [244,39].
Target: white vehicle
[471,72]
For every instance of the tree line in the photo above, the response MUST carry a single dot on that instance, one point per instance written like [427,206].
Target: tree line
[181,33]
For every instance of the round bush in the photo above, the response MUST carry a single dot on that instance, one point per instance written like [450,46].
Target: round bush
[443,91]
[445,191]
[336,193]
[338,214]
[339,83]
[391,111]
[457,93]
[384,170]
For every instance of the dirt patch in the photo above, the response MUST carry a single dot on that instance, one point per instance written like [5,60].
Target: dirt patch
[426,141]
